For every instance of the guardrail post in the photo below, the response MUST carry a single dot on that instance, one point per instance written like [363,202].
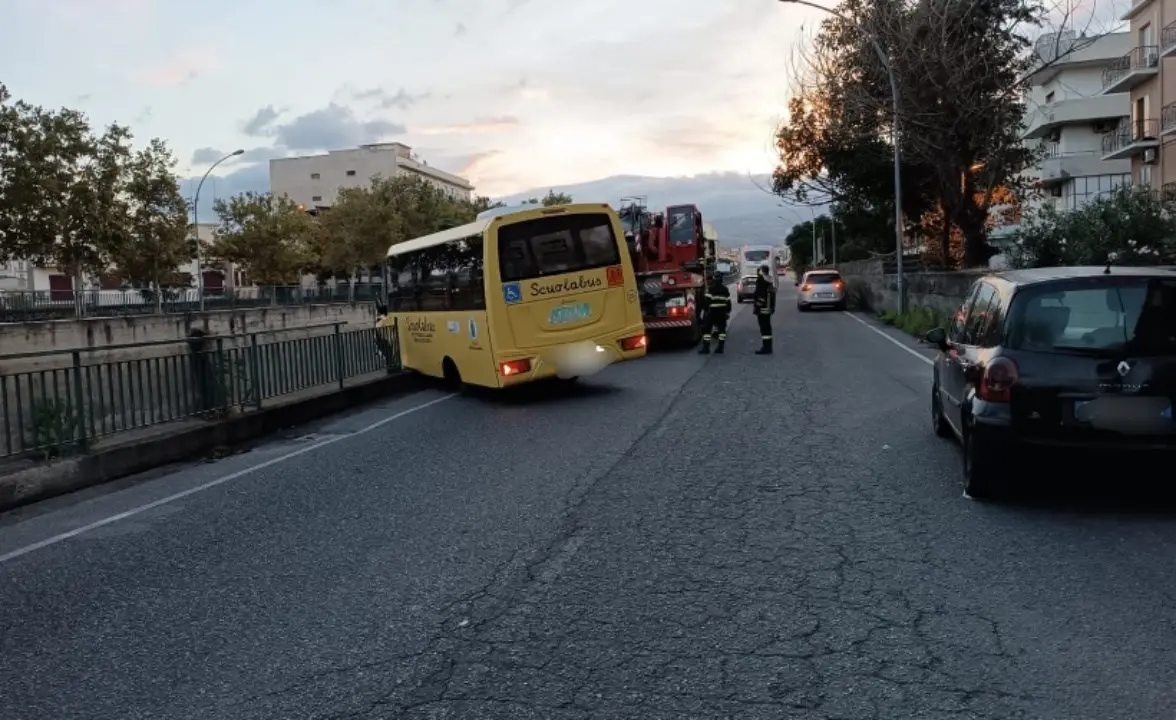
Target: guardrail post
[339,353]
[79,401]
[255,370]
[223,376]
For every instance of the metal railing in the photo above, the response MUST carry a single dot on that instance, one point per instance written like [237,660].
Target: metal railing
[46,412]
[34,305]
[1168,118]
[1143,57]
[1168,37]
[1129,133]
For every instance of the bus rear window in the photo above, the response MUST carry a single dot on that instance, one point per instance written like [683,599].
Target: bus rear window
[756,255]
[556,245]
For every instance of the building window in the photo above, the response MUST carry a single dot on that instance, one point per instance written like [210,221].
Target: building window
[315,176]
[1082,190]
[317,198]
[1145,175]
[350,173]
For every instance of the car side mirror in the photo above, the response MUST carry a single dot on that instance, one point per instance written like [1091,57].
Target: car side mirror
[937,337]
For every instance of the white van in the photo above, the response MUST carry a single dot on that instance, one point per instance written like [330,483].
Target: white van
[751,258]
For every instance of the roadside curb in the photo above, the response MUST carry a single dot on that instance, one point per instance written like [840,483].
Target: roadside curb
[76,473]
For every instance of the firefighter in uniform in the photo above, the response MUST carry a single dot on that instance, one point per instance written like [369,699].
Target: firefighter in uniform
[764,302]
[716,309]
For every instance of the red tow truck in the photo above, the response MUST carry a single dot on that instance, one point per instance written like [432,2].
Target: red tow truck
[672,258]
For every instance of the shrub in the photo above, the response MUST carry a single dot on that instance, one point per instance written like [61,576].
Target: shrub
[915,321]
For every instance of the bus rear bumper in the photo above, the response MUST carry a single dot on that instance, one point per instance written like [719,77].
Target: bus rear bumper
[580,359]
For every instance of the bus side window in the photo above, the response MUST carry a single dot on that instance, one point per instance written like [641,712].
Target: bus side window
[404,285]
[467,266]
[432,292]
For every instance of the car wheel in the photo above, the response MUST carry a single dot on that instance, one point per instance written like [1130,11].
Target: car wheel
[938,422]
[980,481]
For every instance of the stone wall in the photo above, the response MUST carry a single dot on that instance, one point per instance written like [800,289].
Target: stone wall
[941,291]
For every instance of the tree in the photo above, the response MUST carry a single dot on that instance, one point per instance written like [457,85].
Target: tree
[157,240]
[355,235]
[551,199]
[1132,226]
[961,71]
[482,204]
[62,187]
[269,237]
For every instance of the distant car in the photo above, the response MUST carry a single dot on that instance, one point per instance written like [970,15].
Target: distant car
[745,289]
[821,288]
[1058,359]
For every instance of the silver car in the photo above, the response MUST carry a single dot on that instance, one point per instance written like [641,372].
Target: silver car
[821,288]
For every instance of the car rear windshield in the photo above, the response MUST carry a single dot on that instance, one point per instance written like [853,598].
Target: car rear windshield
[1134,316]
[756,255]
[824,278]
[556,245]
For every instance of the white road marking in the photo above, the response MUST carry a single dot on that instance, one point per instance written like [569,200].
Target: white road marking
[54,540]
[873,329]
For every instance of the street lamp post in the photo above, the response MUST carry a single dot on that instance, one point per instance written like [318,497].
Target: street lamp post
[196,225]
[894,137]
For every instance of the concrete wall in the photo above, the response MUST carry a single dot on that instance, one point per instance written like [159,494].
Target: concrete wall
[99,333]
[943,291]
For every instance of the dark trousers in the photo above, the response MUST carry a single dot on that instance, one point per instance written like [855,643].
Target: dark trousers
[714,324]
[765,327]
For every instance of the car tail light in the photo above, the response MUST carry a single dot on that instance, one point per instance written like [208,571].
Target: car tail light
[634,343]
[839,285]
[514,367]
[997,380]
[806,287]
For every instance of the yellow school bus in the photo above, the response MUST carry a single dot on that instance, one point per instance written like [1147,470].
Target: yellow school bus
[518,295]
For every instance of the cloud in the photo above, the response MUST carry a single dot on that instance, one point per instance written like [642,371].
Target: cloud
[479,126]
[459,30]
[257,125]
[401,100]
[183,68]
[334,126]
[209,155]
[331,127]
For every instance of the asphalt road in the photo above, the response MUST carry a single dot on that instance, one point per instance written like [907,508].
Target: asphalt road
[685,537]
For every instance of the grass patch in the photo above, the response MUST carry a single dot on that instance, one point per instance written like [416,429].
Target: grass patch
[915,321]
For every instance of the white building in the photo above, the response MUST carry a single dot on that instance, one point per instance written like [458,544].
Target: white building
[315,180]
[1069,115]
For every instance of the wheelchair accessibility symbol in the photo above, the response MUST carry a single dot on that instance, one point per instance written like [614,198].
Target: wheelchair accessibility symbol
[512,293]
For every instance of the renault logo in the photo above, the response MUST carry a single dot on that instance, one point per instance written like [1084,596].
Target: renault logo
[1124,368]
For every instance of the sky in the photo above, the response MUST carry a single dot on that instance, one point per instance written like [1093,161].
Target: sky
[512,94]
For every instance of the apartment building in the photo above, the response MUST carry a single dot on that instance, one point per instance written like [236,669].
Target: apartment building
[315,180]
[1077,116]
[1144,131]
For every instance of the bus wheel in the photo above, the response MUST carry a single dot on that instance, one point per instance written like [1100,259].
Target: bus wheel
[451,375]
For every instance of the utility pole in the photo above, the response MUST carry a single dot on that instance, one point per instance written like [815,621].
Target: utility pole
[833,231]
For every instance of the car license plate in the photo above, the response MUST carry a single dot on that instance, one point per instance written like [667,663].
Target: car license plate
[1126,414]
[826,295]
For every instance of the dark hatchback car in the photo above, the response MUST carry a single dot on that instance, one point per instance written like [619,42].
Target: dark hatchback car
[1068,360]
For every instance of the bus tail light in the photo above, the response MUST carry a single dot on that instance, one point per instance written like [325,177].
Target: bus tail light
[636,342]
[514,367]
[997,380]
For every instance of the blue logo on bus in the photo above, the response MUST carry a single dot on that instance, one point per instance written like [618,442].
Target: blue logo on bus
[512,293]
[569,313]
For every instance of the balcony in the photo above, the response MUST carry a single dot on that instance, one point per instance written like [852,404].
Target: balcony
[1131,138]
[1057,167]
[1168,40]
[1168,120]
[1132,69]
[1077,110]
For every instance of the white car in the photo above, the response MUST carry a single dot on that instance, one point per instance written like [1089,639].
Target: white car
[821,288]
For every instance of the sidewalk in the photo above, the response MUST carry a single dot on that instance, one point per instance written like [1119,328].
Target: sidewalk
[24,480]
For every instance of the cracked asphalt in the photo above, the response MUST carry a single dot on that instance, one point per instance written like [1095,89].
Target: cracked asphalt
[684,537]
